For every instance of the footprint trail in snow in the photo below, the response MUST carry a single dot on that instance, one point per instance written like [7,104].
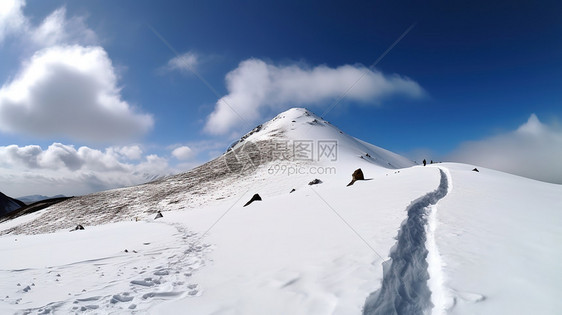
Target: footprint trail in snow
[405,287]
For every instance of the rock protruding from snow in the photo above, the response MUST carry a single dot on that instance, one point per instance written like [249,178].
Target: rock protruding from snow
[357,175]
[255,197]
[315,182]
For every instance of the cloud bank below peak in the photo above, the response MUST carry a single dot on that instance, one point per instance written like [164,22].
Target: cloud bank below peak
[533,150]
[69,170]
[256,85]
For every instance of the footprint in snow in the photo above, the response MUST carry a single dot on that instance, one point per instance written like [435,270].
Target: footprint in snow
[121,298]
[471,297]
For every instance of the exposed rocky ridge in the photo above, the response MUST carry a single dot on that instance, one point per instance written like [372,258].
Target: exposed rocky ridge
[8,204]
[214,180]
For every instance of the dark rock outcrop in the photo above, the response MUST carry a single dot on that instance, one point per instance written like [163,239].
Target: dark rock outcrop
[475,170]
[8,205]
[256,197]
[36,206]
[357,175]
[315,182]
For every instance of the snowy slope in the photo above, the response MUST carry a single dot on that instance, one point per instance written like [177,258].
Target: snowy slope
[499,238]
[461,242]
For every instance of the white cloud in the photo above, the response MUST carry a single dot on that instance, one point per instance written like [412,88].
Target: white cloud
[132,152]
[69,91]
[56,29]
[183,153]
[64,169]
[534,150]
[256,85]
[185,62]
[12,20]
[65,89]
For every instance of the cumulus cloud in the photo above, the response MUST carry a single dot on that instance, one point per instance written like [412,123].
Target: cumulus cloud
[132,152]
[256,85]
[69,91]
[65,88]
[185,62]
[69,170]
[533,150]
[183,153]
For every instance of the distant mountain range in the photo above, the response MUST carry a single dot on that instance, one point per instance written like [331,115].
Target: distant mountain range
[34,198]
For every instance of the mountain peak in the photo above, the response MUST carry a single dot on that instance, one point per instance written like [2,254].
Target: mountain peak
[296,127]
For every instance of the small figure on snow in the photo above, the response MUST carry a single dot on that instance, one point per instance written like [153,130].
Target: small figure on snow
[424,162]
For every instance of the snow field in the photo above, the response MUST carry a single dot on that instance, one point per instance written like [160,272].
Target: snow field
[499,239]
[89,270]
[292,254]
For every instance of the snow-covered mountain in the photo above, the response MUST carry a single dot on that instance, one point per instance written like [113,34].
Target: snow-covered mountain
[407,240]
[265,154]
[8,204]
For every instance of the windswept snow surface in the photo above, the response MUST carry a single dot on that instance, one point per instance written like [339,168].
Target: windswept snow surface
[491,244]
[499,239]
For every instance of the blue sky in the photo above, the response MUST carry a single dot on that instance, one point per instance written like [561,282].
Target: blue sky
[463,84]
